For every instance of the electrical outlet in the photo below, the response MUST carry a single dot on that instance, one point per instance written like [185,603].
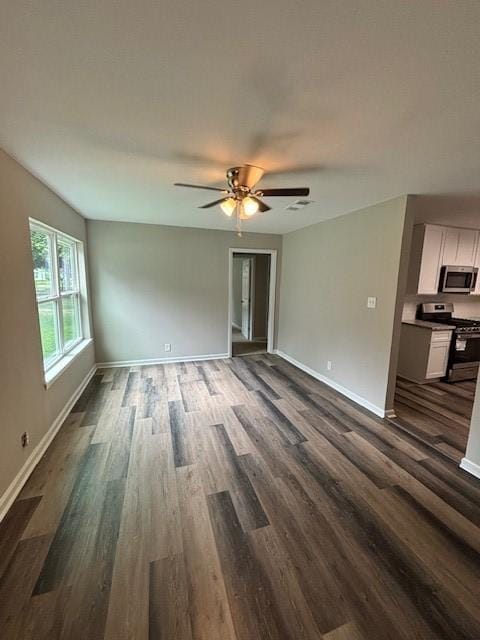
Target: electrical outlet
[168,346]
[371,302]
[329,365]
[25,439]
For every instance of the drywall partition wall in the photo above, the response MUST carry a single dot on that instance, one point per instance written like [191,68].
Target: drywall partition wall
[399,306]
[25,404]
[154,284]
[328,271]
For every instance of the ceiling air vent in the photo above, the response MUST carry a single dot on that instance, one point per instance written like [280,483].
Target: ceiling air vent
[298,204]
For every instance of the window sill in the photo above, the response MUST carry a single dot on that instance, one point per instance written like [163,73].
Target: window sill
[56,371]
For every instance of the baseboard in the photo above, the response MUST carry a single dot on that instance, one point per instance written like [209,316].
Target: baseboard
[334,385]
[135,363]
[471,467]
[22,476]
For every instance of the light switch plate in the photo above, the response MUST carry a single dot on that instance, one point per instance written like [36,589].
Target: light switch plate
[371,302]
[168,346]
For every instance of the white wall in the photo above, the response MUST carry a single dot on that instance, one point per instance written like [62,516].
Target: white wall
[155,284]
[328,271]
[25,404]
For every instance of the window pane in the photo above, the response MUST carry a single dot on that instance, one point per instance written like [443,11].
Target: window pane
[42,263]
[47,313]
[71,324]
[67,265]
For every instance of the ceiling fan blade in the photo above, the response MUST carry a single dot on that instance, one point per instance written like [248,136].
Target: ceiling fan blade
[300,191]
[199,186]
[261,205]
[212,204]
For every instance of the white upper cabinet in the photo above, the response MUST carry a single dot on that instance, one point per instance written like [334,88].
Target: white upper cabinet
[425,259]
[434,246]
[460,247]
[467,247]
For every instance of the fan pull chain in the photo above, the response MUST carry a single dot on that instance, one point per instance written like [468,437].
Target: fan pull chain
[239,220]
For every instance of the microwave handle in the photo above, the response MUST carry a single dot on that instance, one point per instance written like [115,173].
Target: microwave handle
[474,279]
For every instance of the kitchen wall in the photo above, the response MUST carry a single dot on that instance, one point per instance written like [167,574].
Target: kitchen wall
[466,306]
[454,211]
[155,284]
[328,271]
[25,403]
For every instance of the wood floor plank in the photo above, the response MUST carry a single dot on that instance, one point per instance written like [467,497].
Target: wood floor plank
[210,614]
[248,508]
[127,615]
[290,601]
[168,600]
[17,582]
[86,610]
[13,526]
[77,525]
[347,631]
[250,592]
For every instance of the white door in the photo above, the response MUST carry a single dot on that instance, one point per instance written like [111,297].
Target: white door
[246,298]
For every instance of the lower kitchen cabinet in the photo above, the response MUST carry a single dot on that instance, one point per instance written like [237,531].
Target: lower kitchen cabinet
[423,352]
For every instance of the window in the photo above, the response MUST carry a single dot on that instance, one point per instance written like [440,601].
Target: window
[57,285]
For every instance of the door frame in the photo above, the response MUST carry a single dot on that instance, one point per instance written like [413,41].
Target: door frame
[271,294]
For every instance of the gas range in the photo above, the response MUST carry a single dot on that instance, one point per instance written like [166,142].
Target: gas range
[464,353]
[442,312]
[463,325]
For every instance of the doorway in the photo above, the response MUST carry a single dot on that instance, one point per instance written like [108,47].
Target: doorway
[252,278]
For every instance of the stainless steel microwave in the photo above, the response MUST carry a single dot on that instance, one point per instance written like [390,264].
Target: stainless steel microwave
[457,279]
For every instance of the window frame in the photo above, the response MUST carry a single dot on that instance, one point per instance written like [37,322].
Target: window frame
[56,295]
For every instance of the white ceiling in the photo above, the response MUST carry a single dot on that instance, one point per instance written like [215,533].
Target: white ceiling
[111,102]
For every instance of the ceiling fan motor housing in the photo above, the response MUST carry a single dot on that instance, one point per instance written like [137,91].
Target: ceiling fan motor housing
[244,178]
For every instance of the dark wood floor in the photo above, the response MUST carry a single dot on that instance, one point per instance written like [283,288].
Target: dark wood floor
[438,413]
[238,499]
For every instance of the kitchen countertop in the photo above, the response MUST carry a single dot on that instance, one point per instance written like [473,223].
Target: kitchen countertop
[433,326]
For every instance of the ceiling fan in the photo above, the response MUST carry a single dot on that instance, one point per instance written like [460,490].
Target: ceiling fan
[241,198]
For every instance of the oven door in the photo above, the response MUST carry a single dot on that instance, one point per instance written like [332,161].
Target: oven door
[457,279]
[464,357]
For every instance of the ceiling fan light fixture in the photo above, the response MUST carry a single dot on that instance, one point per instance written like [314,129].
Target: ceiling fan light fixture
[228,206]
[250,206]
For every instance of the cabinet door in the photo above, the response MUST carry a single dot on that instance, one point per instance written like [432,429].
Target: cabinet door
[450,246]
[430,259]
[459,247]
[437,359]
[467,245]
